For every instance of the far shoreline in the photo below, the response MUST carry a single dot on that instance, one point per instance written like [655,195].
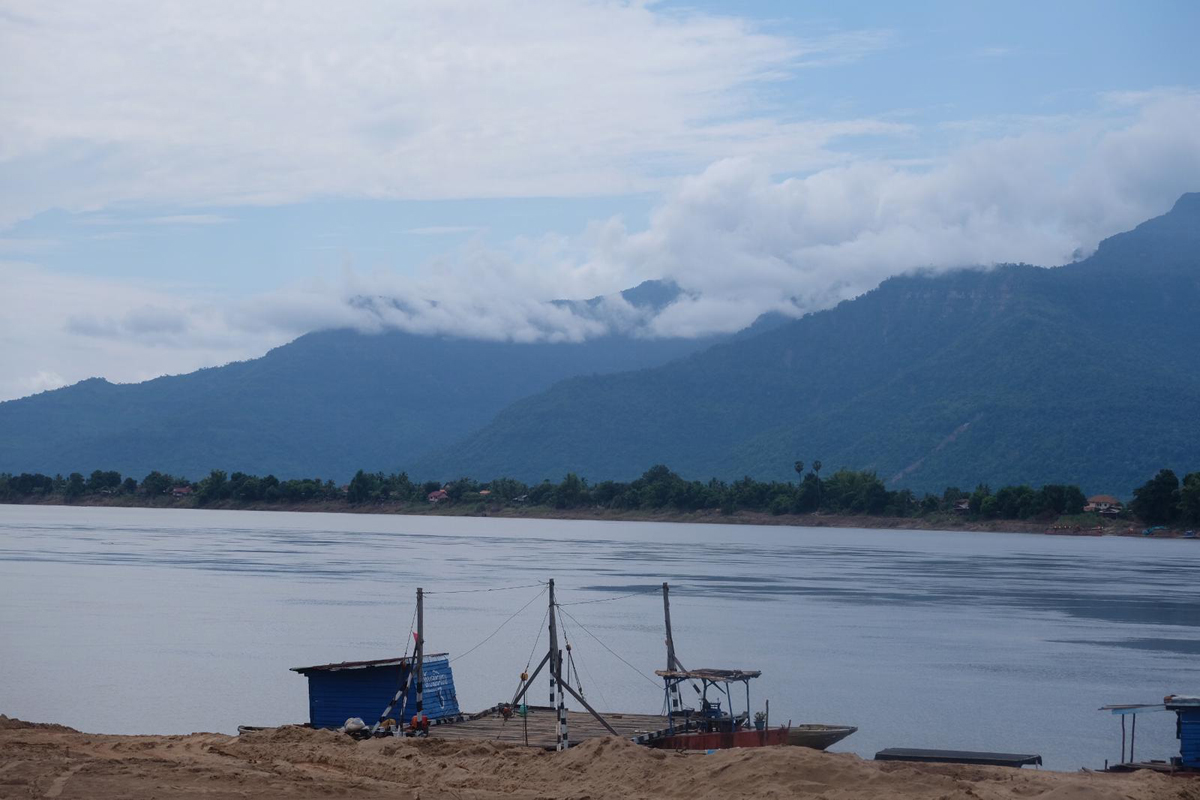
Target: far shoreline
[938,522]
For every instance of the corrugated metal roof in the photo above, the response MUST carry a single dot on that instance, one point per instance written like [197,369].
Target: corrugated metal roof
[721,675]
[380,662]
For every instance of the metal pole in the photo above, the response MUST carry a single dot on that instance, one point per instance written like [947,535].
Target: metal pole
[529,682]
[557,697]
[593,711]
[1122,738]
[420,652]
[674,704]
[1133,739]
[667,618]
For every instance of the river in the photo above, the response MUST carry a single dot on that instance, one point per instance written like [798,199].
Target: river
[171,621]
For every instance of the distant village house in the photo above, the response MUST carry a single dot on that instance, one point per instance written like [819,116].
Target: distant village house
[438,496]
[181,491]
[1104,504]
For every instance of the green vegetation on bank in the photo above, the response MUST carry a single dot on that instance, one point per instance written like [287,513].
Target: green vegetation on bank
[1162,500]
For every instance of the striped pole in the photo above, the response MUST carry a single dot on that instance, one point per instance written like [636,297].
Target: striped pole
[564,740]
[420,651]
[557,699]
[387,712]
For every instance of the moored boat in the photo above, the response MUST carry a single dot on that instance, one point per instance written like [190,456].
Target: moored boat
[722,740]
[816,736]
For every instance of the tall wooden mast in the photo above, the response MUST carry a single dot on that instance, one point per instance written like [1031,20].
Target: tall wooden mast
[675,704]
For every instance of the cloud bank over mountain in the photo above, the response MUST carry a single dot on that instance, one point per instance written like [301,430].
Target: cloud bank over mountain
[180,113]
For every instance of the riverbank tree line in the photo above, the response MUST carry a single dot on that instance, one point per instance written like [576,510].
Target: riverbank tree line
[1162,500]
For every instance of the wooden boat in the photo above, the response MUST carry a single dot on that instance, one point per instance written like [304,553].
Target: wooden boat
[818,737]
[710,727]
[722,740]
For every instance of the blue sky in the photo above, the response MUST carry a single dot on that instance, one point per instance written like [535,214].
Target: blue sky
[190,185]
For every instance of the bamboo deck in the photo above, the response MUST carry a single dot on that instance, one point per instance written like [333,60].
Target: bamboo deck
[581,725]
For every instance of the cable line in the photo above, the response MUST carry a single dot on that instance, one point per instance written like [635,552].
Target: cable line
[599,688]
[609,649]
[541,628]
[412,626]
[610,599]
[502,624]
[493,589]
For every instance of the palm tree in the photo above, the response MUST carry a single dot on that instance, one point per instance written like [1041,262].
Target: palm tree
[816,465]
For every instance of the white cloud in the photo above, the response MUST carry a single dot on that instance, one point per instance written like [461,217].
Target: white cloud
[41,382]
[227,102]
[743,243]
[739,241]
[57,329]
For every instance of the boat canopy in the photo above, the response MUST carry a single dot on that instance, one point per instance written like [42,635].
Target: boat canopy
[712,675]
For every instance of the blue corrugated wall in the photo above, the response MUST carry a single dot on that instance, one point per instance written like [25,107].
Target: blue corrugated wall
[335,696]
[1189,737]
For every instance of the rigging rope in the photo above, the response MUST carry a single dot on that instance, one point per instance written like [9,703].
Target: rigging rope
[599,689]
[502,624]
[610,599]
[609,649]
[412,626]
[541,627]
[571,660]
[493,589]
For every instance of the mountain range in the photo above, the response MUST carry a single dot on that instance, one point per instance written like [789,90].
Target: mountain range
[1087,373]
[324,405]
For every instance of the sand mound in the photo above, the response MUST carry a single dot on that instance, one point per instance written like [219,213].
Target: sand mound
[299,763]
[294,734]
[12,723]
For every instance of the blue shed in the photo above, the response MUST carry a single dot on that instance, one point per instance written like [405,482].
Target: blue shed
[1187,710]
[337,692]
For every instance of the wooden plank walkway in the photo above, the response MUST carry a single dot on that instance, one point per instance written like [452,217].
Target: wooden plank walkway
[581,725]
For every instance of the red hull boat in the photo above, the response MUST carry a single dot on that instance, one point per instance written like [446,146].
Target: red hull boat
[723,740]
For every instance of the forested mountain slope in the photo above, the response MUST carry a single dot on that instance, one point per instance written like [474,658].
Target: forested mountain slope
[1087,373]
[324,405]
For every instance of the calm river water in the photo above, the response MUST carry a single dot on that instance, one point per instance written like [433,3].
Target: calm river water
[171,621]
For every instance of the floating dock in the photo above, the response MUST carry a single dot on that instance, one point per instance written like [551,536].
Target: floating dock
[958,757]
[538,728]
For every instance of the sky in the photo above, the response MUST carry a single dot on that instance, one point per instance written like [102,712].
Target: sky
[187,184]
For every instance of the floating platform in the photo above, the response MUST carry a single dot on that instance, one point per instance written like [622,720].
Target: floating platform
[537,729]
[958,757]
[1165,767]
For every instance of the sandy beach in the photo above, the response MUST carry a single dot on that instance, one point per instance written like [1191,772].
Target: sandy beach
[38,760]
